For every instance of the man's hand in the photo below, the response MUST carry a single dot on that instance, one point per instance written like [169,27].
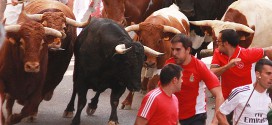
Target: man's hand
[234,62]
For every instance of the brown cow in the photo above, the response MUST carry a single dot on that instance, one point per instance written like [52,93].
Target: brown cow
[23,62]
[126,11]
[56,15]
[156,32]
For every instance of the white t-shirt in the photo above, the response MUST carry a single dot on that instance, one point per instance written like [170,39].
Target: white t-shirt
[256,110]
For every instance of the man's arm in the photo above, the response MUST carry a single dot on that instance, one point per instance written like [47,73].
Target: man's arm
[268,52]
[140,121]
[217,93]
[222,120]
[218,71]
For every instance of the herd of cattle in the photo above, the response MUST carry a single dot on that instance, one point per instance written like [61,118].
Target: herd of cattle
[37,50]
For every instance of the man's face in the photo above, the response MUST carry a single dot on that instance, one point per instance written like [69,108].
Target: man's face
[180,81]
[179,52]
[265,77]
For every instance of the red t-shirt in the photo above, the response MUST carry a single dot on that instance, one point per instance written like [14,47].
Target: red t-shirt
[192,95]
[159,109]
[238,75]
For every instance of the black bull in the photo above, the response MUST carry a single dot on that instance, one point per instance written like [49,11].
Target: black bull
[99,66]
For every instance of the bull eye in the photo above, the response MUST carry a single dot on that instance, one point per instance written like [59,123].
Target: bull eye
[64,26]
[159,41]
[145,57]
[22,43]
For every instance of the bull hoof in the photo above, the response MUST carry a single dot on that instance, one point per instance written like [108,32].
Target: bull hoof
[90,111]
[126,107]
[30,119]
[113,123]
[13,119]
[67,114]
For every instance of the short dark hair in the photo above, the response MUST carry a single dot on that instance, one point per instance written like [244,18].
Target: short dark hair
[231,36]
[186,41]
[168,72]
[259,65]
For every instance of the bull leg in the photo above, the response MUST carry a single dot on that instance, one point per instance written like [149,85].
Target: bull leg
[2,100]
[93,105]
[116,93]
[68,112]
[48,95]
[153,82]
[33,117]
[27,109]
[144,84]
[126,104]
[9,105]
[81,104]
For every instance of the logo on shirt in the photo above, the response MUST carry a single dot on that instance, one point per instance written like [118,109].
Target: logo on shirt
[240,65]
[192,78]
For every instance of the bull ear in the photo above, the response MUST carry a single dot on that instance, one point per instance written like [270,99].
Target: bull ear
[244,35]
[207,30]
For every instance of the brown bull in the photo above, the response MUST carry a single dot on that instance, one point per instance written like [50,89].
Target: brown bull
[155,32]
[56,15]
[23,62]
[126,11]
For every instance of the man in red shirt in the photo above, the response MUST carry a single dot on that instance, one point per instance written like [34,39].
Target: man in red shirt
[233,63]
[192,103]
[160,106]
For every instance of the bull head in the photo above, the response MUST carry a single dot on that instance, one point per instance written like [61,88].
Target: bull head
[31,46]
[153,36]
[213,27]
[218,25]
[58,21]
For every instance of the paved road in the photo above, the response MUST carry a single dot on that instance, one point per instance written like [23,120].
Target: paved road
[50,113]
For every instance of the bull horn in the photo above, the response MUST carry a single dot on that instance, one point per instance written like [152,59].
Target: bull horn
[134,27]
[206,53]
[53,32]
[121,49]
[78,24]
[152,52]
[203,23]
[12,28]
[241,27]
[36,17]
[170,29]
